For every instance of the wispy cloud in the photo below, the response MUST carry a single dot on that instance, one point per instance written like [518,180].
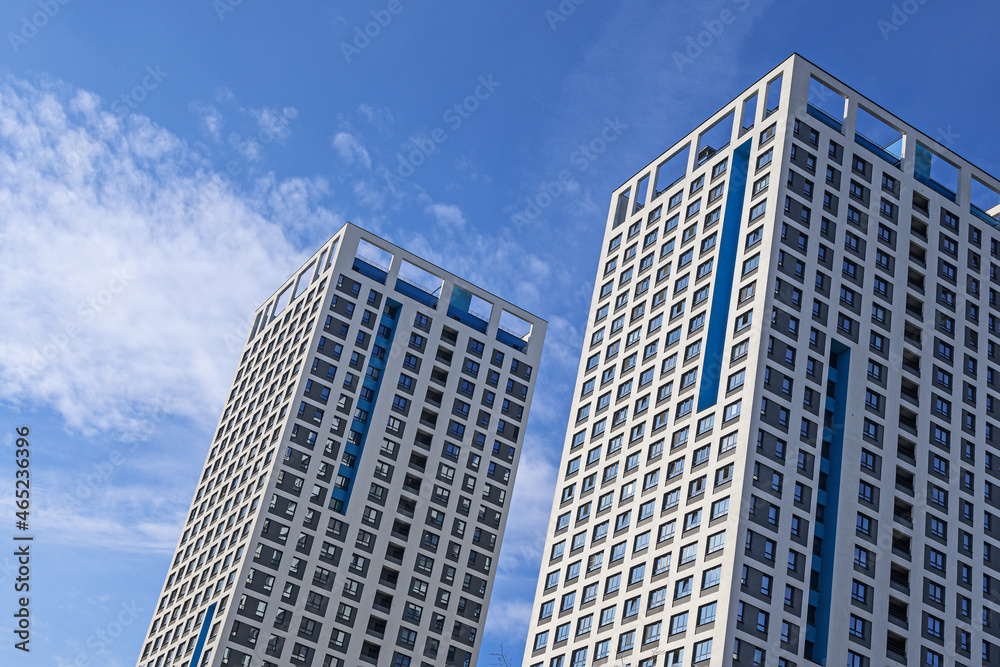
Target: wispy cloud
[531,503]
[209,119]
[447,215]
[274,123]
[378,116]
[124,253]
[351,150]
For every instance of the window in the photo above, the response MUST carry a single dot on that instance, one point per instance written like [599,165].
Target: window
[765,158]
[711,577]
[703,650]
[934,625]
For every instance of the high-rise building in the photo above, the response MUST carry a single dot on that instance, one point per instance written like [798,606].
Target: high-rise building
[784,446]
[355,494]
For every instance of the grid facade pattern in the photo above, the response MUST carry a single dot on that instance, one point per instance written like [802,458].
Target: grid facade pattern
[354,499]
[814,484]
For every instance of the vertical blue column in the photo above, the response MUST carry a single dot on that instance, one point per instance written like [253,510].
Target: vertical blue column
[356,444]
[729,243]
[202,635]
[830,463]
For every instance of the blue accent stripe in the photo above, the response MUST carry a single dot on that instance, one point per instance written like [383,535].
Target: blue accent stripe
[729,242]
[357,447]
[202,635]
[830,463]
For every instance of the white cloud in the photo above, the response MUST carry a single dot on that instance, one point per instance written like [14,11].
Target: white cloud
[122,255]
[378,116]
[508,617]
[350,149]
[448,216]
[210,119]
[293,204]
[250,150]
[224,94]
[531,502]
[371,196]
[121,529]
[273,124]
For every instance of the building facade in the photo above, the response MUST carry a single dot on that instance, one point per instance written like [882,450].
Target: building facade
[782,447]
[355,494]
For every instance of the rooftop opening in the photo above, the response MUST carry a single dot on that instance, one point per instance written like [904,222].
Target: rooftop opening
[333,253]
[715,138]
[935,172]
[256,323]
[621,211]
[879,137]
[826,105]
[672,170]
[513,331]
[305,278]
[640,193]
[469,309]
[772,97]
[748,116]
[372,261]
[280,302]
[418,284]
[985,203]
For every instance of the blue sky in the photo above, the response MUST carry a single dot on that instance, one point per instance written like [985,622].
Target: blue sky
[164,166]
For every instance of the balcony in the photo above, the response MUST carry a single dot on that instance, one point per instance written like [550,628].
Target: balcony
[908,421]
[401,530]
[468,319]
[984,216]
[510,338]
[422,440]
[901,546]
[897,613]
[904,482]
[908,392]
[825,118]
[935,186]
[864,141]
[371,268]
[912,335]
[911,363]
[417,293]
[412,485]
[439,376]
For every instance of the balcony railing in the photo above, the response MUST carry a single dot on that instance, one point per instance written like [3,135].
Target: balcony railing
[371,268]
[825,118]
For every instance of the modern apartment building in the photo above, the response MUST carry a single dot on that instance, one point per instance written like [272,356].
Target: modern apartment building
[784,447]
[355,494]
